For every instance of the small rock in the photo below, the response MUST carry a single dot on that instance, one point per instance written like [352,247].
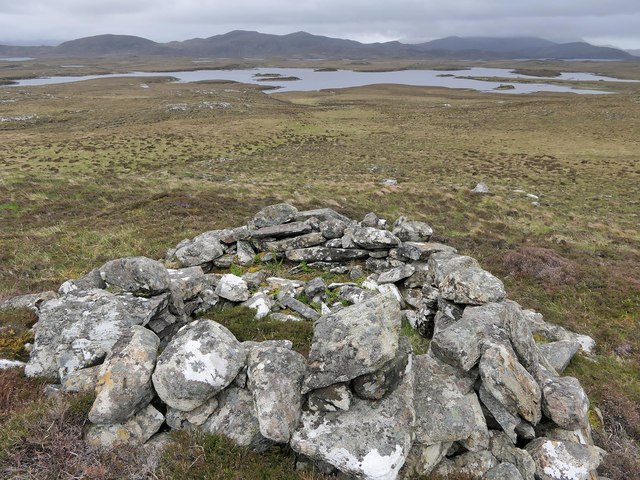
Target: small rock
[565,403]
[557,460]
[178,419]
[324,254]
[261,303]
[299,307]
[135,431]
[315,287]
[412,231]
[330,399]
[295,243]
[374,386]
[244,253]
[504,471]
[275,215]
[480,188]
[373,238]
[233,288]
[396,274]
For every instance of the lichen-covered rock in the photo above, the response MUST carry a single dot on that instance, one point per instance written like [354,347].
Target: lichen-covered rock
[558,460]
[470,464]
[144,309]
[75,332]
[355,341]
[233,288]
[275,215]
[441,264]
[565,403]
[326,254]
[322,214]
[275,376]
[141,276]
[369,441]
[202,359]
[237,419]
[261,303]
[293,229]
[504,471]
[135,431]
[506,420]
[81,381]
[32,301]
[509,383]
[373,238]
[294,243]
[374,386]
[124,382]
[420,251]
[299,307]
[396,274]
[560,353]
[332,228]
[178,419]
[443,412]
[202,250]
[412,231]
[503,449]
[88,282]
[472,286]
[330,399]
[422,459]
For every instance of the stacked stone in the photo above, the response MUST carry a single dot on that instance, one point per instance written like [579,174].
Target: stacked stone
[485,400]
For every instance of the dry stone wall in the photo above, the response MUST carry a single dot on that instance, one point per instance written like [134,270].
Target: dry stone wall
[486,400]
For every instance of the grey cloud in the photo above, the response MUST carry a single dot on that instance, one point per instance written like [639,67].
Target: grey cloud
[415,20]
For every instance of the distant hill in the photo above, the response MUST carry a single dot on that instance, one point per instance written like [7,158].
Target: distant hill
[111,45]
[246,44]
[635,53]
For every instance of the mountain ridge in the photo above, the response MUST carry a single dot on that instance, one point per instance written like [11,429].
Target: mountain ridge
[251,44]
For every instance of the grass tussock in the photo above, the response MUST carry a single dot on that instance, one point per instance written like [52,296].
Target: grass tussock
[542,264]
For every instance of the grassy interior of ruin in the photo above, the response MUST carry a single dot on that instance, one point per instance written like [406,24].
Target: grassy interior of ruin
[105,168]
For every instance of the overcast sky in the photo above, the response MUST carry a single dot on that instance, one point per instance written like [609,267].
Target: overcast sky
[603,22]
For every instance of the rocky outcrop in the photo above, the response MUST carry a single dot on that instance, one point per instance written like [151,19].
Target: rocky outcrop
[363,402]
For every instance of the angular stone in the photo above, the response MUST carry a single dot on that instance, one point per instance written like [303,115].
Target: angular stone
[412,231]
[244,253]
[504,450]
[325,254]
[32,301]
[332,228]
[275,215]
[177,419]
[565,403]
[509,383]
[371,440]
[470,464]
[81,381]
[423,459]
[255,279]
[233,288]
[186,282]
[141,309]
[372,238]
[295,243]
[462,343]
[559,354]
[261,303]
[141,276]
[472,286]
[135,431]
[275,376]
[75,332]
[124,381]
[237,419]
[374,386]
[505,419]
[557,460]
[441,264]
[504,471]
[479,438]
[370,220]
[202,359]
[299,307]
[315,287]
[202,250]
[443,412]
[390,290]
[353,295]
[225,261]
[282,231]
[330,399]
[90,281]
[355,341]
[396,274]
[321,214]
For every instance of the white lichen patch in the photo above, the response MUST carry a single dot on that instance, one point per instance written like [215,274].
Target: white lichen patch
[558,467]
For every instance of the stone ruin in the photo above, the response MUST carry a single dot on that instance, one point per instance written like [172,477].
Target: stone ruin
[485,401]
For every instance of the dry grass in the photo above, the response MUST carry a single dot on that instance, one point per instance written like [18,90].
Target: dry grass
[541,264]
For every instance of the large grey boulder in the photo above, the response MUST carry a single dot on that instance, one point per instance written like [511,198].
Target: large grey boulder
[441,264]
[202,250]
[373,238]
[294,243]
[472,286]
[396,274]
[124,382]
[76,331]
[412,231]
[325,254]
[237,419]
[141,276]
[559,354]
[357,340]
[374,386]
[469,464]
[462,343]
[565,403]
[443,412]
[558,460]
[202,359]
[275,215]
[233,288]
[275,376]
[369,441]
[503,449]
[509,382]
[135,431]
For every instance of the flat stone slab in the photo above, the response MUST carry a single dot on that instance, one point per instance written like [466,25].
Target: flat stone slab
[326,254]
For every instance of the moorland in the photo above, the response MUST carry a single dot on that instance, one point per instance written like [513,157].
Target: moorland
[105,168]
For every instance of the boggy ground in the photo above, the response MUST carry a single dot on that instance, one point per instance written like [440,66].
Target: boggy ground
[107,168]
